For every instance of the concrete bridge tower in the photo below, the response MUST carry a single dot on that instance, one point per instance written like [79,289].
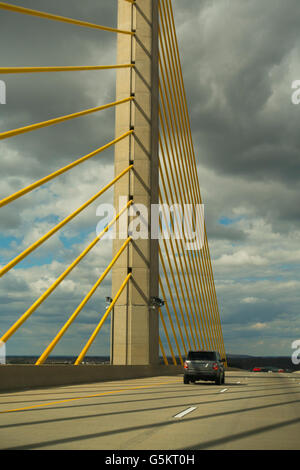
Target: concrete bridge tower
[135,325]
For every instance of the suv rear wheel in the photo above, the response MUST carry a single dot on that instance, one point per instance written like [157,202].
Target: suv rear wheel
[185,380]
[219,381]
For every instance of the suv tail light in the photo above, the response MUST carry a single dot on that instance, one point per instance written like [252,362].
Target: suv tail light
[215,366]
[185,365]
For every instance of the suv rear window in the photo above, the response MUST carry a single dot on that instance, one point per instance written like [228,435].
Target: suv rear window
[202,356]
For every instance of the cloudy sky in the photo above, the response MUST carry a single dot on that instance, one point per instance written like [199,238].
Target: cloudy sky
[239,60]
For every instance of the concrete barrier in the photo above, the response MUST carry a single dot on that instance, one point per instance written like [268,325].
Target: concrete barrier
[22,377]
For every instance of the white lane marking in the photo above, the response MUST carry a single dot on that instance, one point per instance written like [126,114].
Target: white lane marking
[224,390]
[238,382]
[183,413]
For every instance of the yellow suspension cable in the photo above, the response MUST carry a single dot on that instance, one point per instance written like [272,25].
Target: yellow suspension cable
[179,159]
[216,303]
[51,232]
[163,351]
[172,299]
[53,175]
[171,33]
[184,272]
[179,131]
[170,319]
[174,281]
[177,295]
[69,68]
[214,298]
[192,166]
[49,16]
[167,334]
[197,332]
[56,283]
[99,326]
[169,124]
[62,331]
[180,92]
[51,122]
[178,274]
[176,241]
[190,278]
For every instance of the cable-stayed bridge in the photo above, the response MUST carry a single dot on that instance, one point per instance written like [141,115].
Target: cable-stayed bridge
[160,248]
[162,300]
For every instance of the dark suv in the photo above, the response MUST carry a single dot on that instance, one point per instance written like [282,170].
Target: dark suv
[204,365]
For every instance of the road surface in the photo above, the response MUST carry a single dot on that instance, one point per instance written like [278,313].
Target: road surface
[250,411]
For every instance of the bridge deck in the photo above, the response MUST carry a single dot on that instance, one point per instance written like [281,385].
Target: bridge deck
[251,411]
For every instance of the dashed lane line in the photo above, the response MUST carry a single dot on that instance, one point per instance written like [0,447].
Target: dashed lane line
[185,412]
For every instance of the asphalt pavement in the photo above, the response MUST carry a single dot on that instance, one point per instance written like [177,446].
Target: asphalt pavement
[251,411]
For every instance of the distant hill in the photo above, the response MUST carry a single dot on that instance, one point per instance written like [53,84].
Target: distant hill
[56,359]
[248,362]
